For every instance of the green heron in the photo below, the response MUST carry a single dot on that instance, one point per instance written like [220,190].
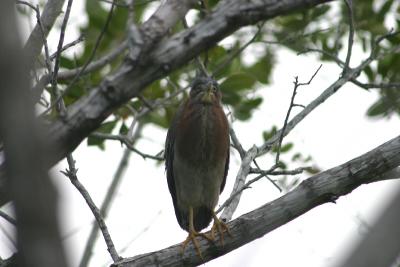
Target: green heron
[197,160]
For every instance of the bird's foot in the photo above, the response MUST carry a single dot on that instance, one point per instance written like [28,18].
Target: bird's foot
[192,237]
[219,226]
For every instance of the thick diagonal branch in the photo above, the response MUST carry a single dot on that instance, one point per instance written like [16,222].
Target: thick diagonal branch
[319,189]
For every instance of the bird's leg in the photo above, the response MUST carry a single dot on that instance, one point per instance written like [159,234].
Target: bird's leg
[219,226]
[192,236]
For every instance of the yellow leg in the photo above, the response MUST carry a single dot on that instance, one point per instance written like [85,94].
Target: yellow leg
[219,226]
[192,236]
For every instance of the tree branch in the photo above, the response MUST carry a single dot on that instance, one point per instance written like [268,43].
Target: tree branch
[34,44]
[128,81]
[71,174]
[86,114]
[322,188]
[28,184]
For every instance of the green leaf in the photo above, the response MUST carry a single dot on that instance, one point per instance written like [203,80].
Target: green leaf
[370,73]
[384,10]
[243,110]
[296,157]
[282,165]
[94,141]
[157,119]
[123,130]
[318,11]
[285,148]
[238,82]
[67,63]
[377,109]
[268,134]
[106,127]
[231,98]
[96,14]
[262,69]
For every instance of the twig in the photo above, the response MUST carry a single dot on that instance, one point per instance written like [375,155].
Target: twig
[349,4]
[240,190]
[394,85]
[33,45]
[264,148]
[280,172]
[234,54]
[292,104]
[71,174]
[200,64]
[69,45]
[81,70]
[93,66]
[239,183]
[332,56]
[42,33]
[235,141]
[105,206]
[127,142]
[8,218]
[56,93]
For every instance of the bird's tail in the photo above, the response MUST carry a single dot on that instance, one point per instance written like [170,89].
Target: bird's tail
[201,219]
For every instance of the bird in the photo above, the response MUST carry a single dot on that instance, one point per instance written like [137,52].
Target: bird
[197,160]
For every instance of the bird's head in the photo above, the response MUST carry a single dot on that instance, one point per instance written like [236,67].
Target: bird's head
[205,90]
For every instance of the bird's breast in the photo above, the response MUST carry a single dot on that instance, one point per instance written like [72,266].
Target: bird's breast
[204,136]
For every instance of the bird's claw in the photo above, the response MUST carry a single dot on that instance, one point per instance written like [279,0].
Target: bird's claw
[219,226]
[192,237]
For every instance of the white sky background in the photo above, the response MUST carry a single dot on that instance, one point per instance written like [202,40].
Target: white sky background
[142,213]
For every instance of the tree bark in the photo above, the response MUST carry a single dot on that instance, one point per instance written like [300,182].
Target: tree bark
[128,81]
[319,189]
[87,114]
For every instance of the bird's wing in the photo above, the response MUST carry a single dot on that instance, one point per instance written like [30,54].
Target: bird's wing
[225,171]
[169,161]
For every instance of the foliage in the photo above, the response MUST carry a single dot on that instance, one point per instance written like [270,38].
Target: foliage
[239,81]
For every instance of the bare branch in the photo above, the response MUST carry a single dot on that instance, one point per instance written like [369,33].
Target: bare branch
[199,63]
[68,74]
[332,56]
[234,54]
[28,184]
[292,104]
[127,142]
[55,91]
[8,218]
[349,4]
[325,187]
[393,85]
[34,44]
[67,46]
[87,114]
[235,142]
[81,70]
[254,152]
[71,174]
[240,181]
[280,172]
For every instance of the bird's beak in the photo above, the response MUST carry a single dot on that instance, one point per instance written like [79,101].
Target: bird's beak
[208,95]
